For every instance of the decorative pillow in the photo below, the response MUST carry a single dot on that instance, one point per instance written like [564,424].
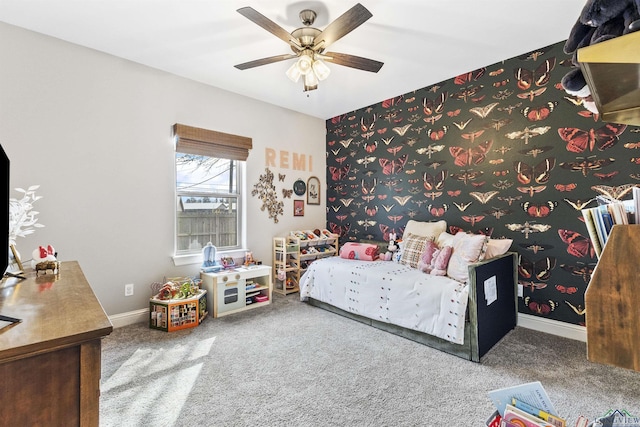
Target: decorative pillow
[424,229]
[467,249]
[440,261]
[412,249]
[497,247]
[424,264]
[361,251]
[419,228]
[444,239]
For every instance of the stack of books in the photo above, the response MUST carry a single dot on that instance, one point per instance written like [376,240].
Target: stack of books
[526,405]
[609,212]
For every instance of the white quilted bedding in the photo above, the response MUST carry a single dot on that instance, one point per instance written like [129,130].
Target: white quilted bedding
[390,292]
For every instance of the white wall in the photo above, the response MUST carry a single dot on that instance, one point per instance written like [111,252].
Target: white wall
[95,132]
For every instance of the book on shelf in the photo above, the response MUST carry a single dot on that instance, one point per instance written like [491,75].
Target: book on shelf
[600,220]
[590,222]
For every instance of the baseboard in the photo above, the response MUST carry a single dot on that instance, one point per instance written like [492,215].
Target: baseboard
[554,327]
[129,318]
[528,321]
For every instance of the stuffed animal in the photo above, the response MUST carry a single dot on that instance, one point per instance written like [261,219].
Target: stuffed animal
[600,20]
[392,248]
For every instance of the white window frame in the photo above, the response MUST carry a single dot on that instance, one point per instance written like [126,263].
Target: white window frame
[214,144]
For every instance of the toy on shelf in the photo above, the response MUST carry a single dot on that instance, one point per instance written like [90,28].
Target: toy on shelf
[44,259]
[176,289]
[209,263]
[228,262]
[248,259]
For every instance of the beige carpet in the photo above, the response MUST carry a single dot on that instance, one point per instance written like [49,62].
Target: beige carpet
[290,364]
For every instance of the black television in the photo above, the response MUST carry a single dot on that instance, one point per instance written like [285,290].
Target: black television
[4,216]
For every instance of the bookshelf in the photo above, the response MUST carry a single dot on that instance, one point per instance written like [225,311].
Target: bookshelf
[292,254]
[612,300]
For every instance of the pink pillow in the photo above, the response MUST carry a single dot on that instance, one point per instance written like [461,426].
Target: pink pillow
[467,249]
[361,251]
[441,261]
[427,256]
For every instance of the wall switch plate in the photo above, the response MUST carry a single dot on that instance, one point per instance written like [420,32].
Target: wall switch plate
[128,289]
[520,290]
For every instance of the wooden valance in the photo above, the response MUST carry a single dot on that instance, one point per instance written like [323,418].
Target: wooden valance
[211,143]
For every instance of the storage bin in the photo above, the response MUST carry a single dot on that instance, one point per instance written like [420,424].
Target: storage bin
[175,314]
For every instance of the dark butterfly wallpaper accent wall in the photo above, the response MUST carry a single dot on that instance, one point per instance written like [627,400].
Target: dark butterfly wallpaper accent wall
[501,150]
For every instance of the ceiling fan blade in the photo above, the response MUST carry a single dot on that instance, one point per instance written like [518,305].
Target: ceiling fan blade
[266,23]
[353,61]
[343,25]
[265,61]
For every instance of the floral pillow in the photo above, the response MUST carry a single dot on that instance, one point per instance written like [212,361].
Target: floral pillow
[467,249]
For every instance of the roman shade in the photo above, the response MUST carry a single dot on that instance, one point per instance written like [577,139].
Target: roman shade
[211,143]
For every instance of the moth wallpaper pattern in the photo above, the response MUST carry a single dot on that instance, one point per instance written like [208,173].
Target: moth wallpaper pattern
[502,150]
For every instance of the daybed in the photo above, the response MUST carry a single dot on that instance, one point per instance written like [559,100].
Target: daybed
[464,313]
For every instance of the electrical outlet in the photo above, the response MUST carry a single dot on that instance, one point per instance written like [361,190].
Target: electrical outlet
[128,289]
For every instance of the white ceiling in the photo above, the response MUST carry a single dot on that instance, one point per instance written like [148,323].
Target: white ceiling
[421,42]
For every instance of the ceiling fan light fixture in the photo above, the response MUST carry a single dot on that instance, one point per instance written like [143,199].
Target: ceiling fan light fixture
[310,79]
[294,73]
[320,69]
[305,64]
[309,43]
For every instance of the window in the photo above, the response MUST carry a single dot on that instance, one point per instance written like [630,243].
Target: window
[209,189]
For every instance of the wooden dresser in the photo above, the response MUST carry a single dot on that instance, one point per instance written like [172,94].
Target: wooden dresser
[50,362]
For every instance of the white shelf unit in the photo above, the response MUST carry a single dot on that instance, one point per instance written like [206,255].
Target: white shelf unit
[292,254]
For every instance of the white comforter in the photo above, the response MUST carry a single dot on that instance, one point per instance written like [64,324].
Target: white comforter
[390,292]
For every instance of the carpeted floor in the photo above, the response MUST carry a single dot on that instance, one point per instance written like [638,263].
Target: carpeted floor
[290,364]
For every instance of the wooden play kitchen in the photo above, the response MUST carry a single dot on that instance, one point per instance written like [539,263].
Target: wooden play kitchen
[237,289]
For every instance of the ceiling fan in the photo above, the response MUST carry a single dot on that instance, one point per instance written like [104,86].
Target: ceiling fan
[309,44]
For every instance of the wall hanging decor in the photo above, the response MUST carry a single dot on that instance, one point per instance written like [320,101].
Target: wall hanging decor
[266,191]
[299,187]
[313,191]
[298,208]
